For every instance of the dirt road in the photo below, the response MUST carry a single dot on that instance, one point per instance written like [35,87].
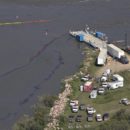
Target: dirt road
[114,65]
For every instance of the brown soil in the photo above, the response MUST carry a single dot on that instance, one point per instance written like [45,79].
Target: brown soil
[114,65]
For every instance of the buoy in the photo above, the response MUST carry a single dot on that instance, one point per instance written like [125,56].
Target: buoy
[46,33]
[17,17]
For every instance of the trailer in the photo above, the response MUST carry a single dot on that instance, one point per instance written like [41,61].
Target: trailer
[102,57]
[115,51]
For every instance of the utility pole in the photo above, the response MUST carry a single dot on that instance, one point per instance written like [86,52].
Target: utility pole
[126,40]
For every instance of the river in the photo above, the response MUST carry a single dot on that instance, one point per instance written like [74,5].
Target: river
[35,57]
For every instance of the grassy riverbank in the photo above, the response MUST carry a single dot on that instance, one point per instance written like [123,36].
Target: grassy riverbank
[103,103]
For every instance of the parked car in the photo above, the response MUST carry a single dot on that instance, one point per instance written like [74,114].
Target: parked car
[87,75]
[75,108]
[90,110]
[101,90]
[105,84]
[85,78]
[108,72]
[105,116]
[104,78]
[93,94]
[125,101]
[90,117]
[117,77]
[105,75]
[124,60]
[78,118]
[98,117]
[82,107]
[71,118]
[74,102]
[115,85]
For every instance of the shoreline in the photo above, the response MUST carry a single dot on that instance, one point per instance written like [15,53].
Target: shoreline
[60,104]
[55,124]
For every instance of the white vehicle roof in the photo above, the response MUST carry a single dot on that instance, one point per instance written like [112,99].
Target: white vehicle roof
[88,83]
[74,102]
[75,107]
[98,115]
[118,77]
[104,83]
[90,108]
[93,92]
[108,71]
[116,48]
[101,89]
[124,99]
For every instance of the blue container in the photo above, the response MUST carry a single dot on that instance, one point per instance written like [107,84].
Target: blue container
[80,37]
[100,35]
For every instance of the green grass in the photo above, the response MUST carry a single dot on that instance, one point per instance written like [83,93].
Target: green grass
[93,55]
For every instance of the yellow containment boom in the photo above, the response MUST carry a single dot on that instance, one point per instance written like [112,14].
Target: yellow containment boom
[23,22]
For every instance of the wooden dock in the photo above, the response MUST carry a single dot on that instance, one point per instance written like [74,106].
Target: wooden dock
[91,39]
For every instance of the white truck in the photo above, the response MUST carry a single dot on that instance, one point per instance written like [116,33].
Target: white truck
[125,101]
[115,85]
[102,57]
[117,77]
[117,53]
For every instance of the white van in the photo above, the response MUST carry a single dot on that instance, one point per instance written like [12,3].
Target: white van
[114,85]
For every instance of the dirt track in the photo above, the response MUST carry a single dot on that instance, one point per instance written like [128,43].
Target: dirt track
[114,65]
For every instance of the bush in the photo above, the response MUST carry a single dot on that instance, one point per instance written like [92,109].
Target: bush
[40,117]
[49,101]
[62,120]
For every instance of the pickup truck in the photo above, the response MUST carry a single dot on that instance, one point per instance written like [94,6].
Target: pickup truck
[124,60]
[125,101]
[99,117]
[91,110]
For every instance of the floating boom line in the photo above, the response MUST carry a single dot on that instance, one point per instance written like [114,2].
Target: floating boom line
[23,22]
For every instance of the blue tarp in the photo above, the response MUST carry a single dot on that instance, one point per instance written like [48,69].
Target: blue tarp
[100,34]
[80,37]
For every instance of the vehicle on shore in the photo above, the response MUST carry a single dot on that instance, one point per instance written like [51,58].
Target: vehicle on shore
[98,118]
[91,110]
[124,101]
[117,53]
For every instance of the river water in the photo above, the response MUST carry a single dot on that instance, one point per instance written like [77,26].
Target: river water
[33,63]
